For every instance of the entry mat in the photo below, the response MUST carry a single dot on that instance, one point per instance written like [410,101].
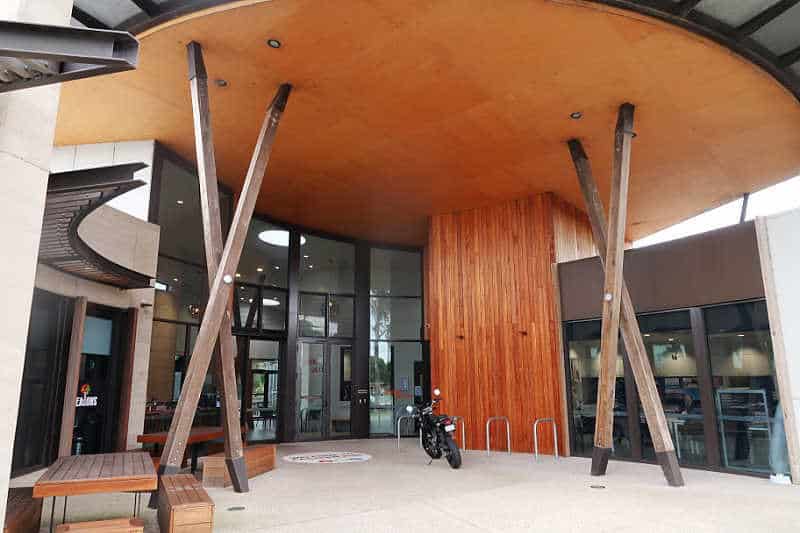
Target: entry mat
[327,457]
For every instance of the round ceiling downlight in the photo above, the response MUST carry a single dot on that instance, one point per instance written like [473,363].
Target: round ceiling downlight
[273,43]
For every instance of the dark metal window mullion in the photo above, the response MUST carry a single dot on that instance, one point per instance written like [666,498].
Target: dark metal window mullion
[704,376]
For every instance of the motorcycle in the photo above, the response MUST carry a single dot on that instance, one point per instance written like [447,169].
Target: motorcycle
[437,431]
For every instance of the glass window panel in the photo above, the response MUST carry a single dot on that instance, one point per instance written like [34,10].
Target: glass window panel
[186,291]
[669,344]
[265,257]
[311,319]
[310,388]
[273,310]
[395,318]
[395,273]
[583,344]
[341,392]
[396,379]
[97,335]
[247,304]
[340,316]
[179,214]
[745,391]
[326,265]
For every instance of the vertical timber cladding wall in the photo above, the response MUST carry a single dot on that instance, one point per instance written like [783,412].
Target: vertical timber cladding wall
[490,307]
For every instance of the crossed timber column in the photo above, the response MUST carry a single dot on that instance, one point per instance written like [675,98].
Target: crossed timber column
[212,235]
[618,310]
[217,308]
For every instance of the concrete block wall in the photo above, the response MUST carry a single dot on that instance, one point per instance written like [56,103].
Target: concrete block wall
[779,250]
[27,125]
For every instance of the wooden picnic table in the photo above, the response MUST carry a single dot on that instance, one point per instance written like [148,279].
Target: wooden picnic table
[100,473]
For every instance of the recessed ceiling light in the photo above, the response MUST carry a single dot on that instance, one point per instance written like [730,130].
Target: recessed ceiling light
[270,302]
[576,115]
[221,83]
[740,335]
[671,340]
[175,279]
[305,257]
[238,275]
[179,202]
[310,266]
[646,334]
[259,269]
[273,43]
[250,301]
[278,237]
[276,267]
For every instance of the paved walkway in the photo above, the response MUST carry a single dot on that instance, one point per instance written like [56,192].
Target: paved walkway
[398,491]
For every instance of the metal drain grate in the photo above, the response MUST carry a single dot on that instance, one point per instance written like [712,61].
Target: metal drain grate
[597,486]
[237,508]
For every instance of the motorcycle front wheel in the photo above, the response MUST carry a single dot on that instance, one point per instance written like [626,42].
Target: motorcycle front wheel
[433,451]
[453,453]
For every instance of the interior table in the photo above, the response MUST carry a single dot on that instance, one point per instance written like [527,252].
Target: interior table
[100,473]
[197,436]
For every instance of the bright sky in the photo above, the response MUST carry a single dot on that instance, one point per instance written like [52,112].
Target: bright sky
[780,197]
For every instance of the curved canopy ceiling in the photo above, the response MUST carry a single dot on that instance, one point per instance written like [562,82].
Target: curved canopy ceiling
[403,110]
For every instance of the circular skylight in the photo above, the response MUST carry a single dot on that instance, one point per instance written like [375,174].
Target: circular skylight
[278,237]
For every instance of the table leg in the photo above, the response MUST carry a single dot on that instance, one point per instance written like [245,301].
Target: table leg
[52,514]
[194,457]
[64,517]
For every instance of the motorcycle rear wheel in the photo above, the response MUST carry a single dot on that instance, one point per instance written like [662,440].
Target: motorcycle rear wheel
[453,453]
[433,451]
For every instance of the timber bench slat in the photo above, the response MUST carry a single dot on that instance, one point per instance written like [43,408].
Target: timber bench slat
[117,525]
[183,505]
[259,459]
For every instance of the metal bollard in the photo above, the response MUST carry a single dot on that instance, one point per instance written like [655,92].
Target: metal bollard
[508,432]
[536,436]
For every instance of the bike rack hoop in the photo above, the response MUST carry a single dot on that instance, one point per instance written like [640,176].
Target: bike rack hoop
[455,420]
[536,435]
[400,419]
[508,432]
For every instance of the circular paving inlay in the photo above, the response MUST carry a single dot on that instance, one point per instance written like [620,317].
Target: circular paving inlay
[328,457]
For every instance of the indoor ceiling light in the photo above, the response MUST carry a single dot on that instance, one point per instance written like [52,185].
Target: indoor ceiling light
[175,279]
[260,269]
[278,237]
[238,275]
[310,266]
[270,302]
[740,335]
[273,43]
[179,202]
[276,267]
[305,257]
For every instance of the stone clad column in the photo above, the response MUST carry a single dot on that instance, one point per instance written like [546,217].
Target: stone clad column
[27,125]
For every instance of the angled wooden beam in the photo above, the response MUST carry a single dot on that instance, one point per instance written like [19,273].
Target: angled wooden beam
[73,375]
[212,237]
[631,334]
[220,292]
[612,290]
[765,17]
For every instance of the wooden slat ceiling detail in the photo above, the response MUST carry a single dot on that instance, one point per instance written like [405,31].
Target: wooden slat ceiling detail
[490,303]
[407,110]
[71,196]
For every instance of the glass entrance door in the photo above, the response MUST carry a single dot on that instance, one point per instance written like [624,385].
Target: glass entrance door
[261,390]
[324,390]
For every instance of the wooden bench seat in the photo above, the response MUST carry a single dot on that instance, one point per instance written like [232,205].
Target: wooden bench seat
[259,459]
[184,506]
[117,525]
[23,511]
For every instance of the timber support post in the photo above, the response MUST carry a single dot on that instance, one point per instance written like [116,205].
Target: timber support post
[220,292]
[629,326]
[225,369]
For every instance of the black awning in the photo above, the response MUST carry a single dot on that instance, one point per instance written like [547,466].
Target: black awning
[71,196]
